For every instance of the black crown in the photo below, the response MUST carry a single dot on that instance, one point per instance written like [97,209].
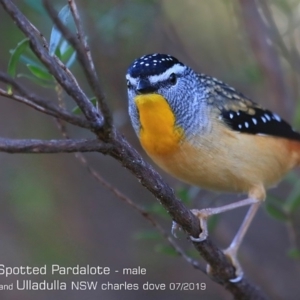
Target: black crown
[152,64]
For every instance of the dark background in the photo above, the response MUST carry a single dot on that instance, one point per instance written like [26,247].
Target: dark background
[53,211]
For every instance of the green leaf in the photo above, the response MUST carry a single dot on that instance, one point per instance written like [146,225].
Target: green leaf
[148,235]
[68,54]
[76,110]
[64,46]
[294,253]
[57,52]
[276,212]
[15,57]
[71,60]
[28,61]
[56,36]
[40,73]
[166,250]
[37,80]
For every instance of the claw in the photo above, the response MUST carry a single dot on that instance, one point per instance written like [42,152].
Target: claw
[202,237]
[230,253]
[237,279]
[202,216]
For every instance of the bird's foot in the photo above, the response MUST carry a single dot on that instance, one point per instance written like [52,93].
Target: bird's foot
[202,215]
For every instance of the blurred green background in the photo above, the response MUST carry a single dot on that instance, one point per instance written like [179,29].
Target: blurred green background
[53,211]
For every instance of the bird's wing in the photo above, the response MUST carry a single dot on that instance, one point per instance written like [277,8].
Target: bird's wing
[242,114]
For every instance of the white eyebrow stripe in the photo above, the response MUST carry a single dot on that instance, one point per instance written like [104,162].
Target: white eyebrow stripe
[177,69]
[132,80]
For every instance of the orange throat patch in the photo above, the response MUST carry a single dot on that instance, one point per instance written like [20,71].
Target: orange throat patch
[159,134]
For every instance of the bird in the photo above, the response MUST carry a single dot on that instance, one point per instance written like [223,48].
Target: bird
[205,133]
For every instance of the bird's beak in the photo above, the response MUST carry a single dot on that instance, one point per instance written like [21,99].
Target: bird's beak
[144,87]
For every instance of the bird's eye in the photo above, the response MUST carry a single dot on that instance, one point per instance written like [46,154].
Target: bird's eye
[173,79]
[129,85]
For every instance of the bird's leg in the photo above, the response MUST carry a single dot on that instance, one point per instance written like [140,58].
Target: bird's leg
[231,251]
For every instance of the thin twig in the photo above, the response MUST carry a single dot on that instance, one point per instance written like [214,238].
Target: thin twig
[81,35]
[49,106]
[57,113]
[27,102]
[58,70]
[45,43]
[84,57]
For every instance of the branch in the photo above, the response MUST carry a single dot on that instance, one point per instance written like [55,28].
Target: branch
[84,57]
[118,147]
[27,102]
[60,72]
[52,146]
[40,104]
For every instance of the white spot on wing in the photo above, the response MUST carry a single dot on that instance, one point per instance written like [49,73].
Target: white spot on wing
[246,124]
[264,119]
[277,118]
[230,116]
[254,121]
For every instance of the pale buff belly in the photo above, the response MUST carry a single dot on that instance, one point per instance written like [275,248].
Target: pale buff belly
[234,163]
